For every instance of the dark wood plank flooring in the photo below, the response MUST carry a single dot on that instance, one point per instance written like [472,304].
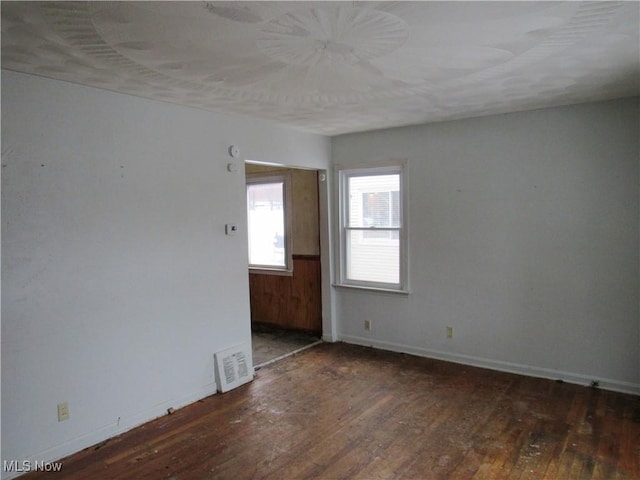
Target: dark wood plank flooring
[341,411]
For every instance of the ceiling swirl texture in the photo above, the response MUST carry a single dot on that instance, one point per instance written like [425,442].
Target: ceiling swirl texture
[335,67]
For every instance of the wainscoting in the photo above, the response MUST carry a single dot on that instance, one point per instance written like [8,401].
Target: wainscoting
[289,302]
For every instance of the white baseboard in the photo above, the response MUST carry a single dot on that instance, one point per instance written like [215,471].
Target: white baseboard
[111,430]
[531,371]
[328,338]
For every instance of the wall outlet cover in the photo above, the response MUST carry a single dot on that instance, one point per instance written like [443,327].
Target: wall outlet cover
[63,411]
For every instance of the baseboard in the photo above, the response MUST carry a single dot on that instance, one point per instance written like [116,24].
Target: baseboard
[329,338]
[531,371]
[111,430]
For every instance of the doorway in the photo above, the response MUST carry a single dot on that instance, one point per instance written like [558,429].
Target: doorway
[286,303]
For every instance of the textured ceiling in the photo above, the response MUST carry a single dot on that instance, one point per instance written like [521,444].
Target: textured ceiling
[335,67]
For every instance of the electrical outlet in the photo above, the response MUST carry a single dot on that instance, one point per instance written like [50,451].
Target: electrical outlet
[449,332]
[367,325]
[63,411]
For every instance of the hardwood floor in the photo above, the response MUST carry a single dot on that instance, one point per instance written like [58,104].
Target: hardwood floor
[342,411]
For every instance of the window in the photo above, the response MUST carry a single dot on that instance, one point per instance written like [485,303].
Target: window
[373,249]
[268,223]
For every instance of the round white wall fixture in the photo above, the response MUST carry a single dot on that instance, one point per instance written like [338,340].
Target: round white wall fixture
[234,151]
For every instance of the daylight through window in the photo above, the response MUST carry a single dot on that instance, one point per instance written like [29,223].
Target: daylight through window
[267,222]
[373,249]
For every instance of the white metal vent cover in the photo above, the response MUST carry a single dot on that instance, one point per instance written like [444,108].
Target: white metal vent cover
[234,367]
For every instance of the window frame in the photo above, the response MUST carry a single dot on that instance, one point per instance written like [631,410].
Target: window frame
[285,179]
[343,173]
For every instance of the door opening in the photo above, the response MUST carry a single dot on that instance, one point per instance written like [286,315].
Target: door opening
[285,284]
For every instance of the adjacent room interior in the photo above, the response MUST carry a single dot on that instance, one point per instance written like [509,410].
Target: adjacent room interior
[450,217]
[284,277]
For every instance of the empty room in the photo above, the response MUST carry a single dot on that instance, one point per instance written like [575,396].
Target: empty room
[445,194]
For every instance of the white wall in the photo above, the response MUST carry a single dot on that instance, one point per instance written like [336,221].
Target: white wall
[118,282]
[523,237]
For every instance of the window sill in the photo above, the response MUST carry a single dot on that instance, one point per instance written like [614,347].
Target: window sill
[271,271]
[371,289]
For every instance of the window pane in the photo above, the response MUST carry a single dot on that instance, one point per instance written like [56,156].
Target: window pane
[373,259]
[265,204]
[375,209]
[395,208]
[373,201]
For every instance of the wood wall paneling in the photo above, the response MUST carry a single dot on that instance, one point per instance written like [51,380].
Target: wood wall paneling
[290,302]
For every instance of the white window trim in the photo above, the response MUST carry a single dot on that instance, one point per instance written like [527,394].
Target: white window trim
[271,177]
[342,173]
